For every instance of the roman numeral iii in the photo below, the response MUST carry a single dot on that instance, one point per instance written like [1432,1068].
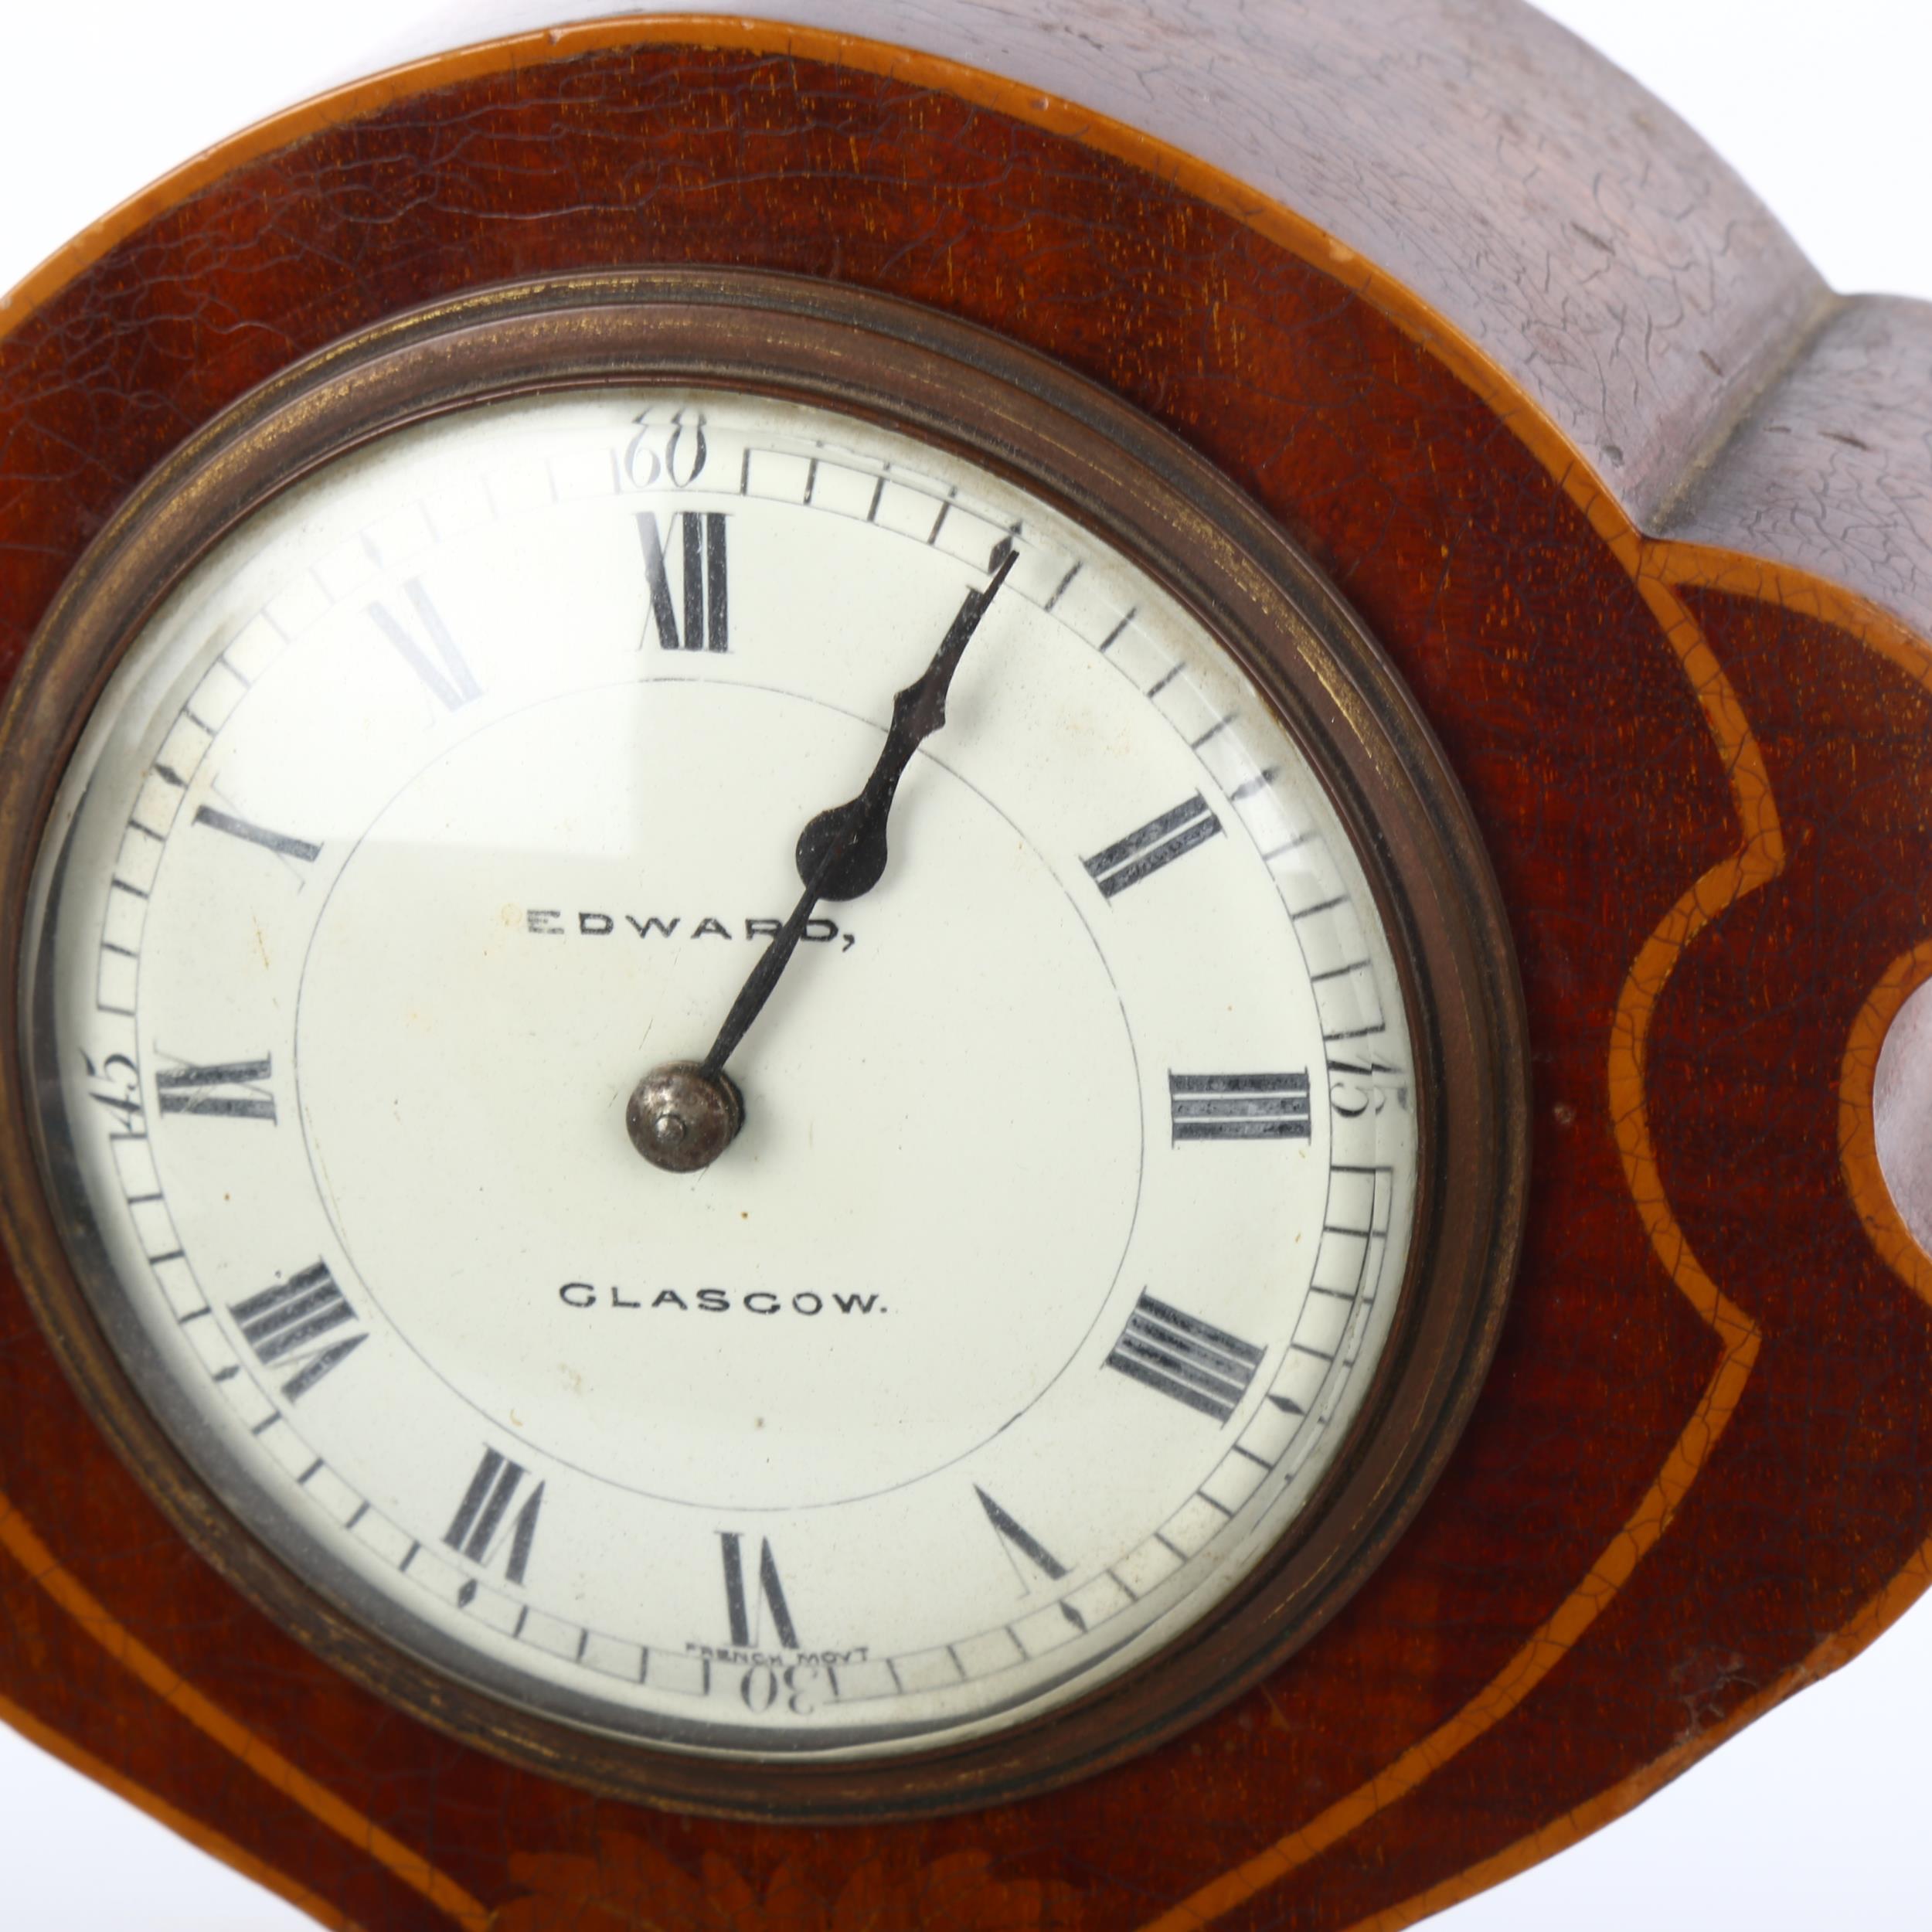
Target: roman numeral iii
[1158,842]
[1185,1358]
[286,1324]
[483,1524]
[707,610]
[738,1605]
[229,1090]
[1239,1107]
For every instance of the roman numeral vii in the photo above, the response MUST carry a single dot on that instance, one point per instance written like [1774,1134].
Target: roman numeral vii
[483,1522]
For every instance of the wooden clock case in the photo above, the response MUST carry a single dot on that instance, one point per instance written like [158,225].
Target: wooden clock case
[1642,514]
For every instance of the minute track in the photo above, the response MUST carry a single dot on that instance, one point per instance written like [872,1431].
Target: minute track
[609,1616]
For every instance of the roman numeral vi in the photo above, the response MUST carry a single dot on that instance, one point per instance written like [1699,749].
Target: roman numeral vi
[737,1605]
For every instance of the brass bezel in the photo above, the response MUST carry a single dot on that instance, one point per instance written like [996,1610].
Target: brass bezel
[1120,474]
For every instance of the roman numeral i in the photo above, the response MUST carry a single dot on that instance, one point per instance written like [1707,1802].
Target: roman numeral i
[707,611]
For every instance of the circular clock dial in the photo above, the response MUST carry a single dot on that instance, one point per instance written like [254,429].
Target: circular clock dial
[462,787]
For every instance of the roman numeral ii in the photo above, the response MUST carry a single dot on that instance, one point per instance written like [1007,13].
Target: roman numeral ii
[1158,842]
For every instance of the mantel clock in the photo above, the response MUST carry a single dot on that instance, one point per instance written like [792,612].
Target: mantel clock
[945,953]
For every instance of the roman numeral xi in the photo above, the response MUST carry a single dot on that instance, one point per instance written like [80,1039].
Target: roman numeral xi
[428,648]
[1180,1356]
[706,605]
[1239,1107]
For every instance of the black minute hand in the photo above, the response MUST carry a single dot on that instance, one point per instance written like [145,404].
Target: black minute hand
[841,853]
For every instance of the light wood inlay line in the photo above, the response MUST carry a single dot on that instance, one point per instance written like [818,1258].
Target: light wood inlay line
[19,1539]
[1759,859]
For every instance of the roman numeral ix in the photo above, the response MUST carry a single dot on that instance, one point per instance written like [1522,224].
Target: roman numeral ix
[1191,1360]
[738,1607]
[478,1531]
[284,1324]
[706,625]
[1239,1107]
[1158,842]
[231,1090]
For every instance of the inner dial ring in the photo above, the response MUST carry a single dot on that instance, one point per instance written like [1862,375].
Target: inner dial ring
[1410,1102]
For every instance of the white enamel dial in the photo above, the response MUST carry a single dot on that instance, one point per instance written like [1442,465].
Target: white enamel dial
[460,786]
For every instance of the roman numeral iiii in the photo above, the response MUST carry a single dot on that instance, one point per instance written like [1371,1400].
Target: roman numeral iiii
[1185,1358]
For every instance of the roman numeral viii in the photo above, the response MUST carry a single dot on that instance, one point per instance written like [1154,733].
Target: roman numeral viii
[1158,842]
[483,1523]
[1239,1107]
[285,1325]
[707,610]
[738,1604]
[1191,1360]
[229,1090]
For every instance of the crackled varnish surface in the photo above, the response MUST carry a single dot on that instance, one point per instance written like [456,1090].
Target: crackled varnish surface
[1700,1472]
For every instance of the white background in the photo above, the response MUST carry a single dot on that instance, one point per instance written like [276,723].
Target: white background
[1814,1817]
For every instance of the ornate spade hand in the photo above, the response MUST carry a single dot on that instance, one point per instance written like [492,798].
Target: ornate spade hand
[683,1115]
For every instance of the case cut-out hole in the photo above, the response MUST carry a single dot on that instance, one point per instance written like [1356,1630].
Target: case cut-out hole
[1902,1114]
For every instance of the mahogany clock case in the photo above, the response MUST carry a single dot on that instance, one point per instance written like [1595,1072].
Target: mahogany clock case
[1141,490]
[1635,508]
